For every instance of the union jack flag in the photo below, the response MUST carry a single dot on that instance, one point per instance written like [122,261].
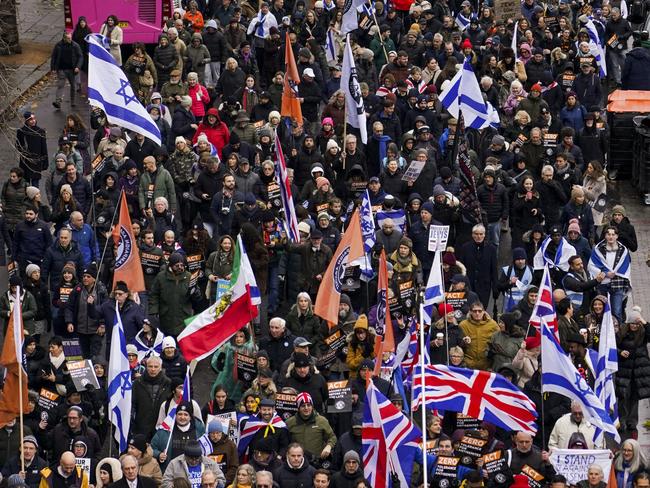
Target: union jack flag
[168,423]
[282,178]
[389,441]
[544,308]
[253,425]
[412,353]
[476,393]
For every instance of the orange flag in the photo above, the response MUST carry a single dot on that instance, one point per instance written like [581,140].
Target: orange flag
[379,356]
[127,260]
[329,293]
[382,296]
[290,103]
[10,358]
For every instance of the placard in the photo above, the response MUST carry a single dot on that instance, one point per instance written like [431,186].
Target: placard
[535,479]
[438,237]
[507,9]
[84,464]
[245,368]
[72,349]
[446,467]
[285,405]
[470,450]
[226,420]
[574,464]
[466,422]
[413,171]
[83,375]
[496,465]
[458,300]
[222,287]
[48,400]
[335,342]
[339,397]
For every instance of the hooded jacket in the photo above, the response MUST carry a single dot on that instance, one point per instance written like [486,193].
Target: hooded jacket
[480,332]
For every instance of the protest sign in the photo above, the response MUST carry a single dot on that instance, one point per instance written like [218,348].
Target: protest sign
[340,397]
[535,479]
[47,400]
[72,349]
[573,464]
[446,471]
[496,465]
[470,449]
[83,375]
[245,368]
[84,464]
[226,419]
[334,342]
[438,237]
[285,405]
[413,171]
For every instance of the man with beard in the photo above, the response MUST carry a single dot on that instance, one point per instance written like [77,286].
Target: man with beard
[582,358]
[276,439]
[524,453]
[170,296]
[222,207]
[303,377]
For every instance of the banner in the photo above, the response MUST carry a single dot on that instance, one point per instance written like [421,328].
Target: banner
[285,405]
[340,397]
[438,237]
[83,375]
[245,368]
[573,464]
[413,171]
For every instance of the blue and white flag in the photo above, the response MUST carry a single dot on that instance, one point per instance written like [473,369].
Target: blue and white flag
[350,11]
[110,90]
[206,444]
[169,421]
[330,48]
[434,293]
[462,22]
[560,260]
[355,113]
[560,376]
[596,48]
[367,223]
[606,367]
[120,386]
[398,216]
[598,263]
[464,93]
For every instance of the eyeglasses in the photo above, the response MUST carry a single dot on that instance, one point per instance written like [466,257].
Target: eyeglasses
[478,310]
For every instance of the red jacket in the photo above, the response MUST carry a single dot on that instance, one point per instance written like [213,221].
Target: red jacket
[198,106]
[218,134]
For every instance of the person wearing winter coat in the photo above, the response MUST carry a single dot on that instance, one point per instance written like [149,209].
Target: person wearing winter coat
[224,450]
[223,362]
[626,231]
[170,296]
[232,78]
[296,472]
[636,70]
[577,209]
[198,56]
[31,142]
[477,329]
[28,303]
[107,472]
[311,430]
[149,392]
[301,320]
[573,113]
[216,131]
[155,182]
[148,466]
[452,335]
[303,376]
[13,198]
[71,430]
[505,344]
[115,35]
[587,87]
[480,258]
[633,377]
[526,210]
[594,183]
[360,345]
[493,197]
[31,239]
[552,196]
[33,462]
[526,361]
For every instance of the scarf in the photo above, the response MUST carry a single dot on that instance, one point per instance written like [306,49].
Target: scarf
[259,30]
[383,145]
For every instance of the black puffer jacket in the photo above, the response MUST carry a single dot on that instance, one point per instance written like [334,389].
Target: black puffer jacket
[633,371]
[288,477]
[148,394]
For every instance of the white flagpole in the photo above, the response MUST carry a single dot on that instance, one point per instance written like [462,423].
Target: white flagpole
[423,410]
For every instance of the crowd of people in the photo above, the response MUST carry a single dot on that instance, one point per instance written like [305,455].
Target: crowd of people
[213,85]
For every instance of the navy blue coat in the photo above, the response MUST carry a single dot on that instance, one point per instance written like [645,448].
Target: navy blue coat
[636,71]
[132,316]
[31,241]
[55,259]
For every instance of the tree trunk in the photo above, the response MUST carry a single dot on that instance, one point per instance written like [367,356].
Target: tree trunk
[9,28]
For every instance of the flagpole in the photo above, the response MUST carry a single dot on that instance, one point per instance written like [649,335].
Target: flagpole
[444,301]
[18,308]
[423,409]
[383,46]
[345,133]
[541,383]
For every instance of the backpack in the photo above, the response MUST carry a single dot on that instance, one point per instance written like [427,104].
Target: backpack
[637,12]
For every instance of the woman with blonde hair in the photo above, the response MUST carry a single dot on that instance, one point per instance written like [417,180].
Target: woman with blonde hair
[245,477]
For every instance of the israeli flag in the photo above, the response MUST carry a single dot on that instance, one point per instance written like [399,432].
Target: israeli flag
[398,216]
[464,93]
[598,263]
[434,293]
[560,260]
[367,223]
[355,113]
[462,22]
[560,376]
[330,47]
[110,90]
[119,383]
[606,367]
[596,48]
[350,10]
